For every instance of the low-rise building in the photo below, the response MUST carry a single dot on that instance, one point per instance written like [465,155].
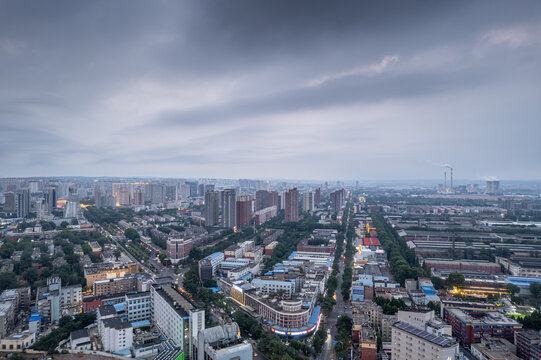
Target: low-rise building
[17,342]
[409,342]
[116,335]
[138,306]
[494,349]
[80,340]
[528,343]
[470,327]
[222,343]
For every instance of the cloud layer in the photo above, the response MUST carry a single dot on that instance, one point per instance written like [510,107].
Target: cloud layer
[270,89]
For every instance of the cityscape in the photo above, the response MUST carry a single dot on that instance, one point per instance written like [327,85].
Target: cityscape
[270,180]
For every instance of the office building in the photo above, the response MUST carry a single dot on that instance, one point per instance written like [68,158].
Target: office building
[138,306]
[292,205]
[177,318]
[49,200]
[243,210]
[222,343]
[23,203]
[409,342]
[212,208]
[178,249]
[229,211]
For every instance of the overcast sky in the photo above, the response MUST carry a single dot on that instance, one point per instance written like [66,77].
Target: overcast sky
[271,89]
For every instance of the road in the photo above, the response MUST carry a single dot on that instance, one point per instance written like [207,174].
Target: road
[341,307]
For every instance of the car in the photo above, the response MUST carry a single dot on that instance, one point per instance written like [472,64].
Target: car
[328,331]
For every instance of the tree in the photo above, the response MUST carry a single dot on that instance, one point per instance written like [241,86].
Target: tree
[132,234]
[7,280]
[30,275]
[64,225]
[535,289]
[117,253]
[455,279]
[512,288]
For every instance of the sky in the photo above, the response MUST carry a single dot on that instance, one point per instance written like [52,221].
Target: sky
[271,89]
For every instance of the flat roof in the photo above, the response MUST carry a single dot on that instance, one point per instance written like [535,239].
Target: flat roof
[438,340]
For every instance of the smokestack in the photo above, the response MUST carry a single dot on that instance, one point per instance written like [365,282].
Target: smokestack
[445,181]
[451,179]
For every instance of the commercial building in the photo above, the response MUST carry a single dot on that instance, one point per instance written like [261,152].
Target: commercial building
[294,316]
[229,211]
[177,318]
[470,327]
[292,205]
[222,343]
[243,210]
[122,285]
[101,271]
[212,208]
[178,249]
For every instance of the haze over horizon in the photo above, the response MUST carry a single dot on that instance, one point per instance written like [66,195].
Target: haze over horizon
[254,89]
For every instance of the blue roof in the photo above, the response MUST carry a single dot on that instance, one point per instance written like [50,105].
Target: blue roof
[215,289]
[123,352]
[292,256]
[247,276]
[120,306]
[140,323]
[315,315]
[35,318]
[215,255]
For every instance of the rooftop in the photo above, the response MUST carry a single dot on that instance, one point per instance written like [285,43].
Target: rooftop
[437,340]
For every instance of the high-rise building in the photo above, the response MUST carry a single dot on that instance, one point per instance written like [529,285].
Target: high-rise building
[212,208]
[317,196]
[229,197]
[292,205]
[193,188]
[308,201]
[157,193]
[170,193]
[243,210]
[10,205]
[338,199]
[177,318]
[23,203]
[49,200]
[493,187]
[265,199]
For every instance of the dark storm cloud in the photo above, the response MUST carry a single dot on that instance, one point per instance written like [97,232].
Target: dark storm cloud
[269,88]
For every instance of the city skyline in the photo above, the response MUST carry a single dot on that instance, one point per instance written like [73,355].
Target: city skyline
[303,90]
